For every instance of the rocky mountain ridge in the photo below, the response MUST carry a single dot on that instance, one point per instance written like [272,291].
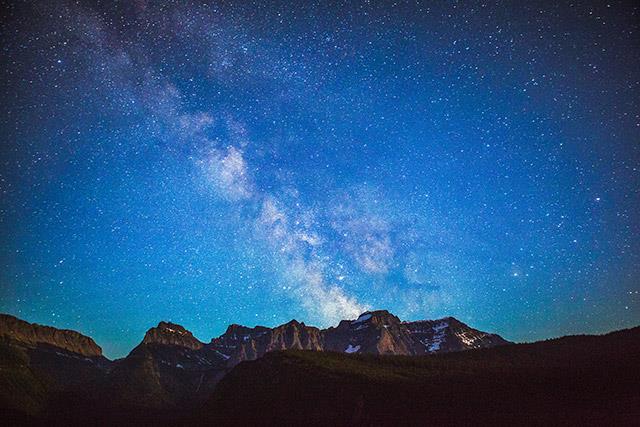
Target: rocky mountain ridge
[34,335]
[167,333]
[170,367]
[373,332]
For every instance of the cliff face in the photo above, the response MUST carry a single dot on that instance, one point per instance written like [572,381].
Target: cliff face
[170,367]
[33,335]
[375,332]
[449,335]
[167,333]
[40,363]
[240,343]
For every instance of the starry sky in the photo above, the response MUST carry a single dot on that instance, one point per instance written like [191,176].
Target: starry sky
[252,162]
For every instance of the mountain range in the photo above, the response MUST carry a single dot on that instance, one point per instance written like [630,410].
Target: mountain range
[52,374]
[172,367]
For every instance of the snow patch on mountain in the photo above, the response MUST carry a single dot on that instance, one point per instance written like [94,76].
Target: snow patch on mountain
[352,349]
[470,340]
[438,337]
[224,356]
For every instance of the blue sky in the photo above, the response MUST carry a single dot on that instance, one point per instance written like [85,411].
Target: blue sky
[211,163]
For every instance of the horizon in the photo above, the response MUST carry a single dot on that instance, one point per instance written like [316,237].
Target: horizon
[207,340]
[210,163]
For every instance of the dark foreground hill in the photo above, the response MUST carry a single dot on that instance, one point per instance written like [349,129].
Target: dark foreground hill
[577,380]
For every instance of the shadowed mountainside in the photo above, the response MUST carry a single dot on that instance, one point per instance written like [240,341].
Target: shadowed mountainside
[33,335]
[577,380]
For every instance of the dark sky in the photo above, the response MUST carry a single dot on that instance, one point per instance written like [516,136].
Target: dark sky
[253,162]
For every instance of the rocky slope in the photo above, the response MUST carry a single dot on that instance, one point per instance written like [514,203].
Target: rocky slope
[240,343]
[38,364]
[167,333]
[34,335]
[375,332]
[169,367]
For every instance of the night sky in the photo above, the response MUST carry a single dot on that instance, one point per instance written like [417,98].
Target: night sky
[252,162]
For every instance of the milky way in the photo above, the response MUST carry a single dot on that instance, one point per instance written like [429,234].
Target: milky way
[216,163]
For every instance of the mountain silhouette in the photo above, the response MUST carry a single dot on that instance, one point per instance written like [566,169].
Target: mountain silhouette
[371,370]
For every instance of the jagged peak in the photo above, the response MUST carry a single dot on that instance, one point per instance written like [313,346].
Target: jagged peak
[237,329]
[376,317]
[291,323]
[447,319]
[455,333]
[172,327]
[294,324]
[168,333]
[235,326]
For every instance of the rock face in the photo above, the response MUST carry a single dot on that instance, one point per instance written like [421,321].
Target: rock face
[448,335]
[34,335]
[375,332]
[240,343]
[170,367]
[167,333]
[40,363]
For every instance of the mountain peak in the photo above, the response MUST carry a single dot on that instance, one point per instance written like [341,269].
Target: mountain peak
[171,327]
[237,329]
[292,322]
[32,334]
[168,333]
[377,317]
